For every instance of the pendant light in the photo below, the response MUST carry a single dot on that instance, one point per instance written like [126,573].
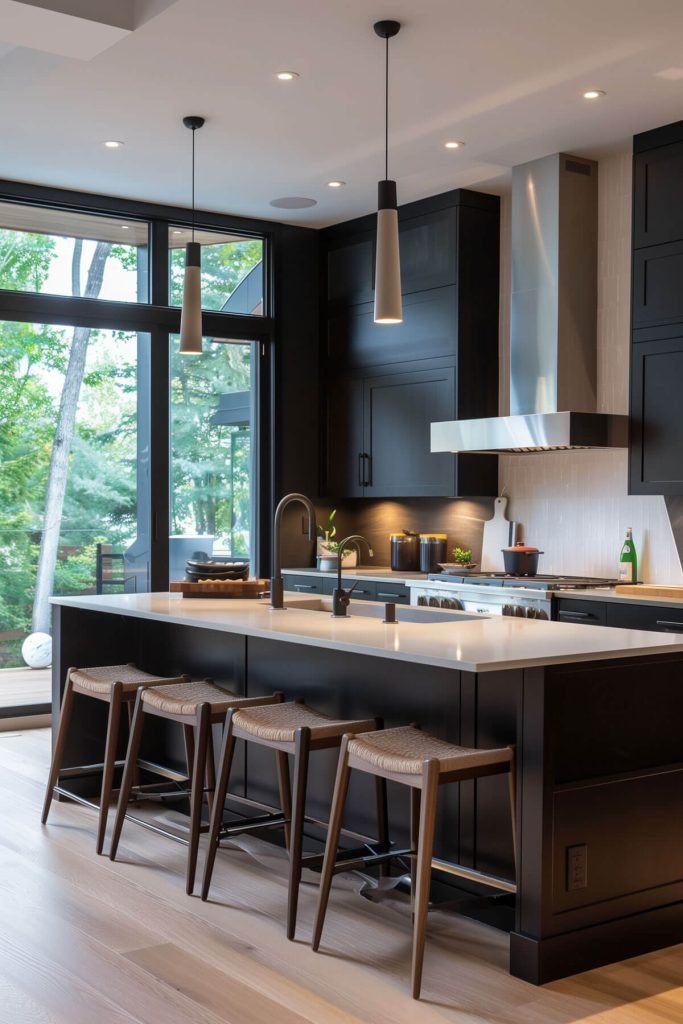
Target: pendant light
[191,311]
[388,305]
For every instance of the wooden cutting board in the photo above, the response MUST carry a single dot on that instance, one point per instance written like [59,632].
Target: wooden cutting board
[650,590]
[221,588]
[499,533]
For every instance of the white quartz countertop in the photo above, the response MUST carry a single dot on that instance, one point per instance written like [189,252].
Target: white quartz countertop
[468,643]
[610,594]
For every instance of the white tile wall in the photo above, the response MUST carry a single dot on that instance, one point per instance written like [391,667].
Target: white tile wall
[574,505]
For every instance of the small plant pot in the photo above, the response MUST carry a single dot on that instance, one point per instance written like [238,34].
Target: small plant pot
[328,563]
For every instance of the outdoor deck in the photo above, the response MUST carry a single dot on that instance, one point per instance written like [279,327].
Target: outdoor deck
[25,686]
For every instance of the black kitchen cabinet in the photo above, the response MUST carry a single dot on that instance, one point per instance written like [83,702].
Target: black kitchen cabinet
[385,385]
[583,613]
[379,439]
[654,618]
[656,446]
[316,585]
[658,191]
[656,410]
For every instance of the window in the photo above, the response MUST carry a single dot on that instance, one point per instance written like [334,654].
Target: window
[212,455]
[97,498]
[62,253]
[232,270]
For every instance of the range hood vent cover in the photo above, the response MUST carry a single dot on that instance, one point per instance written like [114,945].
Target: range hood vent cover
[553,322]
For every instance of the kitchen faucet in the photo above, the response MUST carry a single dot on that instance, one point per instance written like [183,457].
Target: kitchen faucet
[341,598]
[277,586]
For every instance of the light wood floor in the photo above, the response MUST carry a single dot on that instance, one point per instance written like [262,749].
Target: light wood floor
[85,941]
[22,686]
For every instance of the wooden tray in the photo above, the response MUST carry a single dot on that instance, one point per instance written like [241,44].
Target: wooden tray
[650,590]
[221,588]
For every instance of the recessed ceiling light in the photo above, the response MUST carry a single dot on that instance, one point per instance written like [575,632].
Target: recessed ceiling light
[293,203]
[454,144]
[336,184]
[113,144]
[124,227]
[593,94]
[287,76]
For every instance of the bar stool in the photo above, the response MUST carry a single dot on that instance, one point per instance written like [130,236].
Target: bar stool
[197,707]
[422,762]
[289,728]
[117,686]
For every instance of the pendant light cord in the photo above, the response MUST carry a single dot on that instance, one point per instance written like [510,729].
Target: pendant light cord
[386,111]
[194,132]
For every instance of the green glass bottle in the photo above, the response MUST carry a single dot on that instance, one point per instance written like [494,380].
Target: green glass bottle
[628,560]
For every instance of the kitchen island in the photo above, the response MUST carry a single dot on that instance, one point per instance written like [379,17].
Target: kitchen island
[595,716]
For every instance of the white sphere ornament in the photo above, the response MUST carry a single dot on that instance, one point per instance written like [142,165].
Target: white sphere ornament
[36,650]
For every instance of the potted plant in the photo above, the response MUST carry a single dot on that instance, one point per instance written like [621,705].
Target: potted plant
[328,548]
[463,557]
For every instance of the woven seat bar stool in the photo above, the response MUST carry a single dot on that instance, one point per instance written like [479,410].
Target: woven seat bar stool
[197,707]
[117,686]
[289,728]
[423,763]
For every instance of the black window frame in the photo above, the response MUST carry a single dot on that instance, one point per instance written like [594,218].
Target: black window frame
[160,320]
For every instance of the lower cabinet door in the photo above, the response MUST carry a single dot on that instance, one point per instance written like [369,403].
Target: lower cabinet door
[658,618]
[304,584]
[398,412]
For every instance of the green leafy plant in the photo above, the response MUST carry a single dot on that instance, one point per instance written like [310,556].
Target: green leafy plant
[329,531]
[462,556]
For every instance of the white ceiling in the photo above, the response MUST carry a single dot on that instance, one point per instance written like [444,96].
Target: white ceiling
[507,76]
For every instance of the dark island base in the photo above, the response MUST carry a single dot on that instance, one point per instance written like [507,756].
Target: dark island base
[600,787]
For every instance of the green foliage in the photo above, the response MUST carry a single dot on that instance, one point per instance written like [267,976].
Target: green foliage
[224,266]
[329,530]
[463,556]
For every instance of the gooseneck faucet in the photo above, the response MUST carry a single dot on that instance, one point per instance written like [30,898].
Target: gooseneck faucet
[277,587]
[340,597]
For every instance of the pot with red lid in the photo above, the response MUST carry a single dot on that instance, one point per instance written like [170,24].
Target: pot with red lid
[521,560]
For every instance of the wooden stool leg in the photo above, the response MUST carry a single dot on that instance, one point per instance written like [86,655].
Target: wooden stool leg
[414,839]
[285,792]
[302,745]
[382,823]
[210,770]
[197,791]
[128,772]
[341,787]
[115,708]
[430,788]
[224,766]
[60,742]
[188,736]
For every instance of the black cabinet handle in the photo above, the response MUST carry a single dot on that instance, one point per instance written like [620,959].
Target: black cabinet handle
[576,615]
[360,469]
[305,586]
[368,471]
[672,627]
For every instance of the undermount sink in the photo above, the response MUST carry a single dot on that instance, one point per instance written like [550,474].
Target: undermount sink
[369,610]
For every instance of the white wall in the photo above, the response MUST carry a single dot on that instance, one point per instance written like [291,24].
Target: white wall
[574,505]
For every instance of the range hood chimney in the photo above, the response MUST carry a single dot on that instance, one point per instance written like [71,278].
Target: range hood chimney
[553,323]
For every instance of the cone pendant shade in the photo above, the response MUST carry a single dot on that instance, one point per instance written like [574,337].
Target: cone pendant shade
[388,304]
[191,312]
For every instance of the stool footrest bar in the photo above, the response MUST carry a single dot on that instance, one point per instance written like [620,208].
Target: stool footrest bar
[473,876]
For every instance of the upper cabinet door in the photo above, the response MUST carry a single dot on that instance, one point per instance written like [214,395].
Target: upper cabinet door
[428,250]
[350,270]
[656,449]
[657,284]
[658,196]
[398,412]
[345,461]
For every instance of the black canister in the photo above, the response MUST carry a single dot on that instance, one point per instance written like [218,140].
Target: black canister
[405,551]
[433,548]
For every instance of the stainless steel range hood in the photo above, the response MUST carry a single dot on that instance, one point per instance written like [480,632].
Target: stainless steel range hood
[553,323]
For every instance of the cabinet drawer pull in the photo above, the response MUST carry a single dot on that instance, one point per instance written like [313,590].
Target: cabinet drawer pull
[672,627]
[305,586]
[397,595]
[576,615]
[360,469]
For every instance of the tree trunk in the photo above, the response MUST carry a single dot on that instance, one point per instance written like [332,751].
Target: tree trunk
[64,432]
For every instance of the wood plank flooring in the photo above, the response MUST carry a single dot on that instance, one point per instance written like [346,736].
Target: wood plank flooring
[22,686]
[83,940]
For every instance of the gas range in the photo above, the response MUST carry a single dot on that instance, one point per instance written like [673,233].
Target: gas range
[497,593]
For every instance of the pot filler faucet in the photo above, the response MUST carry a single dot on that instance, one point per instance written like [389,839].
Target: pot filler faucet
[341,598]
[277,586]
